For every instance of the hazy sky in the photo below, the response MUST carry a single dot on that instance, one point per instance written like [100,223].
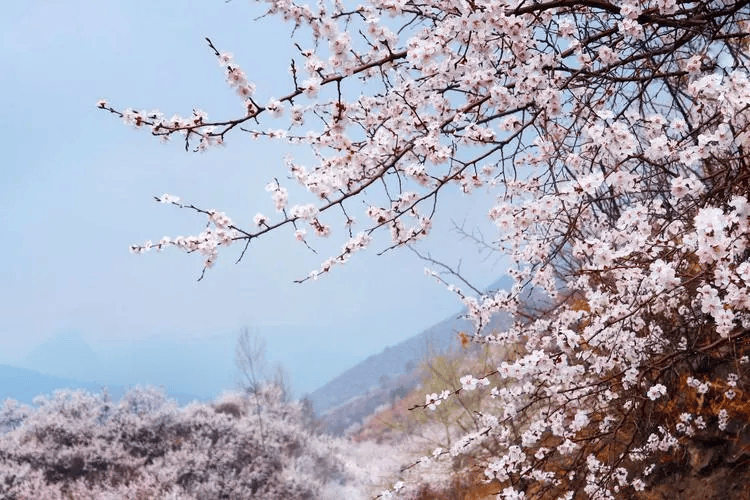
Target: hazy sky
[76,189]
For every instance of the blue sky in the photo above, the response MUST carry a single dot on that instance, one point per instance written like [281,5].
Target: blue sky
[76,188]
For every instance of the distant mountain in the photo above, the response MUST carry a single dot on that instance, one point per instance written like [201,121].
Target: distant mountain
[202,365]
[373,381]
[66,355]
[23,384]
[205,365]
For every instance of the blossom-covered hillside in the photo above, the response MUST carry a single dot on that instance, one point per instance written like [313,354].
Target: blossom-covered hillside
[441,464]
[78,445]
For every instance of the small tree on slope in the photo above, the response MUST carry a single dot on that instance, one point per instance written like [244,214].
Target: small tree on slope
[614,136]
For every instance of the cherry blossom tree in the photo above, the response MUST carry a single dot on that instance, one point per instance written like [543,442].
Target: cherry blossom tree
[613,135]
[75,444]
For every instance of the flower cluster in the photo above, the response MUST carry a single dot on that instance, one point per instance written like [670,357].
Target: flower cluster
[237,79]
[220,231]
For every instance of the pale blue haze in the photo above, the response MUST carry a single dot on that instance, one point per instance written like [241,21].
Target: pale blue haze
[76,189]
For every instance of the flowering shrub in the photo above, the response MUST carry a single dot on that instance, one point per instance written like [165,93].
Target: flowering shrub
[84,446]
[614,136]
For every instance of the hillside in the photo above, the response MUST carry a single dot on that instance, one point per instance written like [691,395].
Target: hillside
[356,393]
[389,363]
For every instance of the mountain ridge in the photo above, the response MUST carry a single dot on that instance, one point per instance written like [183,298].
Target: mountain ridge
[394,363]
[24,384]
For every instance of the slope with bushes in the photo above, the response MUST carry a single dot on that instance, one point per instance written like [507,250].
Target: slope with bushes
[79,445]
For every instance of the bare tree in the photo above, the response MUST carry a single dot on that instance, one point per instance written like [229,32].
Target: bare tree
[250,358]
